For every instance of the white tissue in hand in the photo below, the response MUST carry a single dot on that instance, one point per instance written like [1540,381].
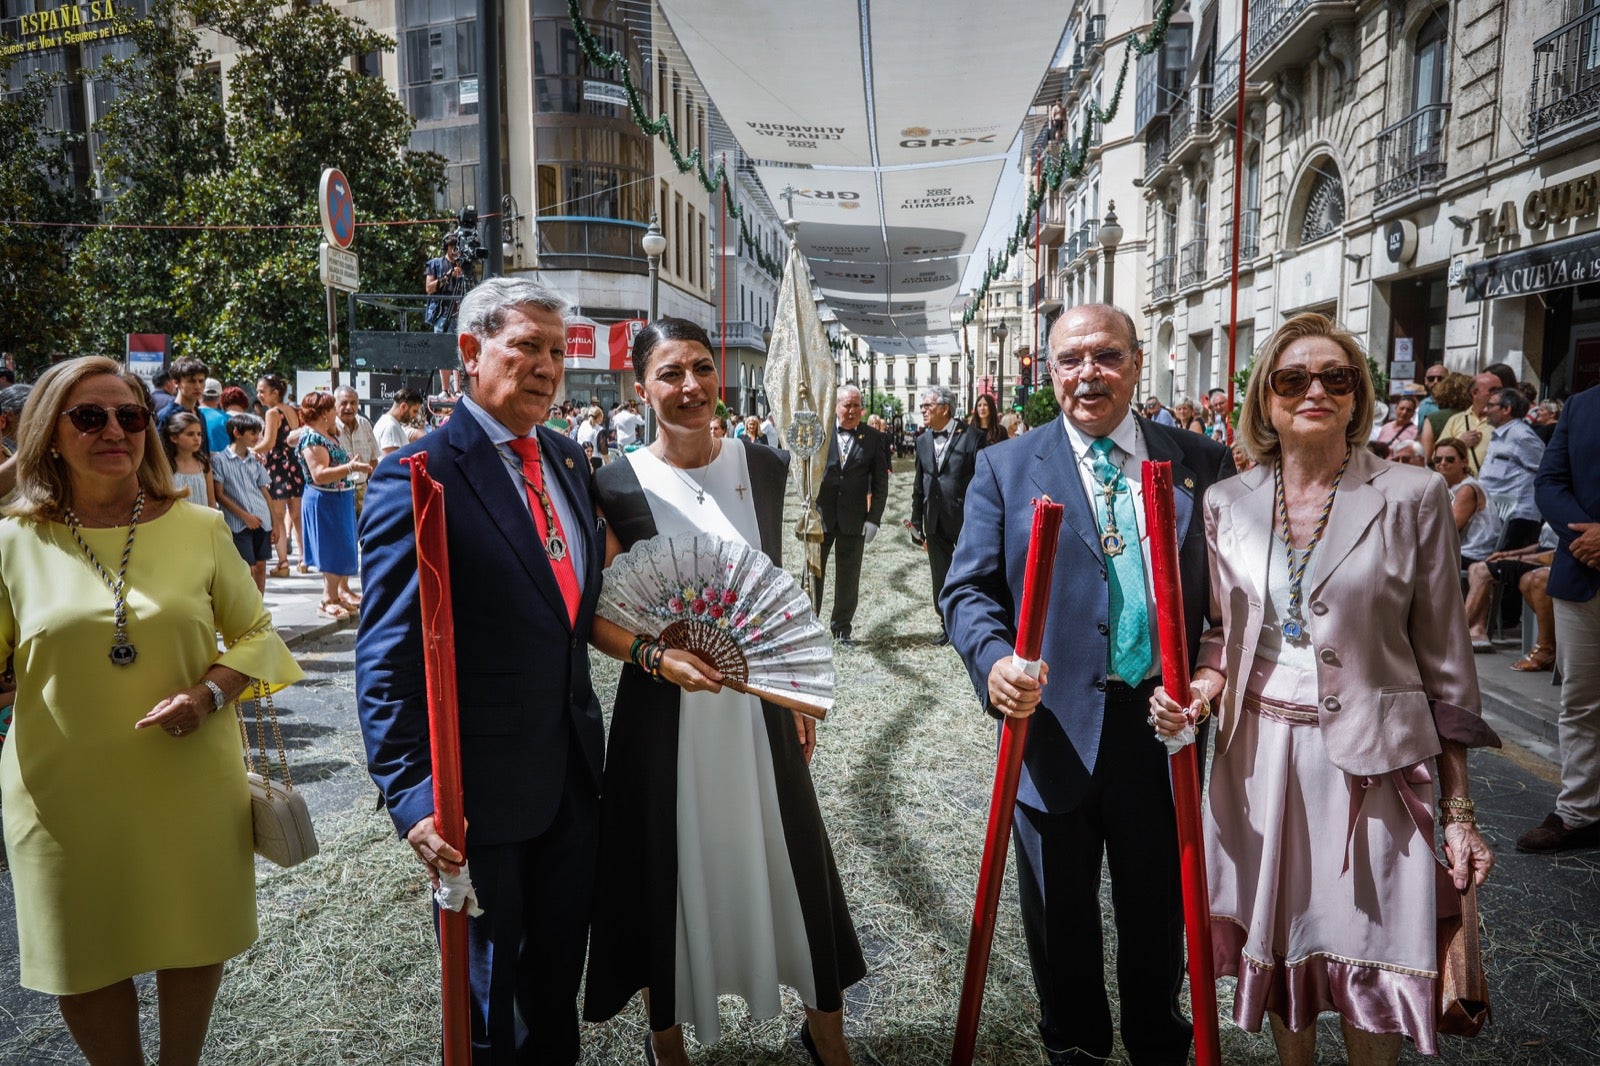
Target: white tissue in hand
[1179,740]
[455,891]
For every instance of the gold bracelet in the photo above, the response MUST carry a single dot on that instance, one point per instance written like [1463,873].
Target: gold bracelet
[1459,803]
[1458,818]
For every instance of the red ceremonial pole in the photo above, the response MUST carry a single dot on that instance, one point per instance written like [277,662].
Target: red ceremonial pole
[439,663]
[1166,581]
[1008,770]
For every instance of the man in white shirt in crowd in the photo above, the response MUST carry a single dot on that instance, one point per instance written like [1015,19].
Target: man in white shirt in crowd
[627,423]
[355,436]
[395,427]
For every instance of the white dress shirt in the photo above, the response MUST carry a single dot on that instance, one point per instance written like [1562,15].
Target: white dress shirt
[501,437]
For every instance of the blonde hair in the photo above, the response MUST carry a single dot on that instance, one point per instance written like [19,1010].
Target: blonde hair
[1255,421]
[44,485]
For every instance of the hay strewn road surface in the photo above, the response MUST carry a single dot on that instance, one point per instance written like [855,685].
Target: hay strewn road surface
[345,972]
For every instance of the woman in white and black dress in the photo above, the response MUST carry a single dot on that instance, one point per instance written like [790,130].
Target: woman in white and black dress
[716,875]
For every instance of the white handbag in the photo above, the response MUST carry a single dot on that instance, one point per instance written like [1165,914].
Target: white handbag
[278,814]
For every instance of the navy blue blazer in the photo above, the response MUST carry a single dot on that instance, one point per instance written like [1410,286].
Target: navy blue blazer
[984,589]
[522,670]
[1567,490]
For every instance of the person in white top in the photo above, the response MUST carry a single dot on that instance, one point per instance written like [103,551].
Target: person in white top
[355,437]
[394,429]
[627,423]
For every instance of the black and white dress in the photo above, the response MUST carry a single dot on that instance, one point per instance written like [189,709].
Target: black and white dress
[716,876]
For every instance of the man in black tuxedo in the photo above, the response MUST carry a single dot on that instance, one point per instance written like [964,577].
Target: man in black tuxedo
[947,452]
[854,489]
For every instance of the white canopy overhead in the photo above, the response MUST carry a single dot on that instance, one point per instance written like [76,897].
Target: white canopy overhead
[889,122]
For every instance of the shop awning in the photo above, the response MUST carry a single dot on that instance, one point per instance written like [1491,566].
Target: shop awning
[1552,265]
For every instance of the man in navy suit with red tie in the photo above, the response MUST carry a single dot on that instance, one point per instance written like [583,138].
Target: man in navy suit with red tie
[525,559]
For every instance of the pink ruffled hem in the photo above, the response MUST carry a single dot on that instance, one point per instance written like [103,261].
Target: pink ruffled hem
[1371,996]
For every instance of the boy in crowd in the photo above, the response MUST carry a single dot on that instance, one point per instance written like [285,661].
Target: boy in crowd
[244,478]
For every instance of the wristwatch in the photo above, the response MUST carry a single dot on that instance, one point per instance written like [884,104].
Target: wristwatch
[218,697]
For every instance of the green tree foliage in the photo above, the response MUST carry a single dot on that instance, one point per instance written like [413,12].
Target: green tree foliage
[882,403]
[1041,407]
[36,319]
[251,299]
[162,132]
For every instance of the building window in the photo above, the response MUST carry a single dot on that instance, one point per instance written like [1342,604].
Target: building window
[565,82]
[1324,210]
[1427,73]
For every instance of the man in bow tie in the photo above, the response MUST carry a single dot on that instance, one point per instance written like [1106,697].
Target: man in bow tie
[946,455]
[1095,786]
[855,488]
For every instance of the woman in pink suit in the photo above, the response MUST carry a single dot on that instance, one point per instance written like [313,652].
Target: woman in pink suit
[1347,695]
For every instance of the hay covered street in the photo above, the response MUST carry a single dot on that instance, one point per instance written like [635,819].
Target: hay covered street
[345,970]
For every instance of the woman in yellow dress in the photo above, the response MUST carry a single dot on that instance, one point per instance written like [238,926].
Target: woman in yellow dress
[127,816]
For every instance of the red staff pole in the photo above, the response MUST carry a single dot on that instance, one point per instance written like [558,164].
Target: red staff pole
[1159,519]
[444,733]
[1008,770]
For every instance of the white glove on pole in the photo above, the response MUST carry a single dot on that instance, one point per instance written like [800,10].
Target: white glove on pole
[870,530]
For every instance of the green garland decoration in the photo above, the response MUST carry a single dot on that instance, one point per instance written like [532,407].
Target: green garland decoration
[1070,164]
[1066,165]
[661,126]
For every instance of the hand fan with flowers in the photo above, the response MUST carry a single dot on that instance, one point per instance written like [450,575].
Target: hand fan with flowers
[728,604]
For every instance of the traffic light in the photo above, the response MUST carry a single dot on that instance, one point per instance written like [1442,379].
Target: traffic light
[1022,397]
[1027,370]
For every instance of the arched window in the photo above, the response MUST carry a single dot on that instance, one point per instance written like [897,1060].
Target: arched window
[1324,201]
[1427,72]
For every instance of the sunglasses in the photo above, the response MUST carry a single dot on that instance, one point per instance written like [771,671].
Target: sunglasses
[1434,380]
[92,418]
[1292,382]
[1107,359]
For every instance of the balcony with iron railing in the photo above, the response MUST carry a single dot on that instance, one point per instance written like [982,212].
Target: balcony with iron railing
[1052,286]
[1249,248]
[1192,263]
[1052,219]
[1088,237]
[1411,154]
[1094,30]
[1285,32]
[1161,278]
[1191,123]
[1156,141]
[1566,79]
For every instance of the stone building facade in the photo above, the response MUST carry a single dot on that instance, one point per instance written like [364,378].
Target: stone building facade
[1424,172]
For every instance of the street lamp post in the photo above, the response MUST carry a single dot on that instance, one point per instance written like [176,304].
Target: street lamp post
[766,347]
[654,245]
[1000,332]
[1110,237]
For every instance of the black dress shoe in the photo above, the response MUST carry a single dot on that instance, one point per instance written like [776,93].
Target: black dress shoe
[942,640]
[809,1044]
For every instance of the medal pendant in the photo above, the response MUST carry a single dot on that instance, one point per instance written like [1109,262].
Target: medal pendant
[1294,630]
[555,547]
[1111,542]
[122,651]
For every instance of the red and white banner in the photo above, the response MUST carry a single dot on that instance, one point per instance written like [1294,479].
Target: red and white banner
[594,345]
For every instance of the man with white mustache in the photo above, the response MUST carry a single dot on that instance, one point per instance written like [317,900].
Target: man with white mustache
[1094,782]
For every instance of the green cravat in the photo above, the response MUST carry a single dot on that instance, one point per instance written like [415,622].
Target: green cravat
[1129,651]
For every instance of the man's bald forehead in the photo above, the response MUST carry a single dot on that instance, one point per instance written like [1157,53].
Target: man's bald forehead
[1100,316]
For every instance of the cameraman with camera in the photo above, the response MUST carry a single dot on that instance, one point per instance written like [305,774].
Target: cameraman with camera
[446,283]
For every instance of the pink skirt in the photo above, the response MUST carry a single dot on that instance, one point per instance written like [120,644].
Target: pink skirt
[1323,890]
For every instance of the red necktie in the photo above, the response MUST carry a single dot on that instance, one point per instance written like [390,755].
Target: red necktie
[538,501]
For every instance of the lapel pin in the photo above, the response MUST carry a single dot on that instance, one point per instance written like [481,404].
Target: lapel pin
[1188,482]
[569,466]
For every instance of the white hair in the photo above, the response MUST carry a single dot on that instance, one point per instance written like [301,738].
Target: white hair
[839,393]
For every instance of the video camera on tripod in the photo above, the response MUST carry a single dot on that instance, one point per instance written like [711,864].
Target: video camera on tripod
[468,245]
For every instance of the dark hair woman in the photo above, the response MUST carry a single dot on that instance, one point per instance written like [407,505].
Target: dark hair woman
[288,482]
[715,871]
[127,816]
[987,421]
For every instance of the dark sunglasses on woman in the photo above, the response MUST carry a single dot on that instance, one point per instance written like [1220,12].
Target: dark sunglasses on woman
[1292,382]
[92,418]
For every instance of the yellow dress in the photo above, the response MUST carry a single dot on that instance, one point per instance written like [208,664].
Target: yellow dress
[130,851]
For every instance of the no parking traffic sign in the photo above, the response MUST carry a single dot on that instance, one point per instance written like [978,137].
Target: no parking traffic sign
[338,208]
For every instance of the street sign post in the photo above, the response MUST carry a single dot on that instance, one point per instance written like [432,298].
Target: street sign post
[339,267]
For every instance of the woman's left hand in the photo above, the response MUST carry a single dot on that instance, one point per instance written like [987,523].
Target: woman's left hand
[805,727]
[1468,854]
[179,714]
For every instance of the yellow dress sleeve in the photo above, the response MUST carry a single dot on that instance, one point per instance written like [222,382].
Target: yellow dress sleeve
[252,642]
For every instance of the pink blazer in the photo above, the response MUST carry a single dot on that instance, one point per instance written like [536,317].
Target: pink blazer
[1395,671]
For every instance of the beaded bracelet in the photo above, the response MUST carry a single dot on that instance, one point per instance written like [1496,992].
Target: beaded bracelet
[654,653]
[639,642]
